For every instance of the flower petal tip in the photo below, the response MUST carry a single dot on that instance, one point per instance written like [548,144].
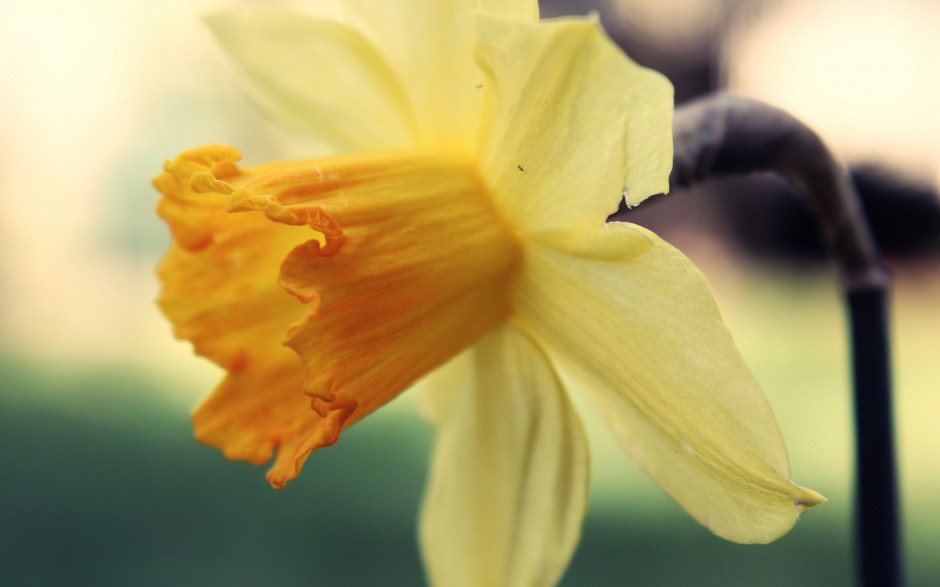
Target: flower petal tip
[807,498]
[291,456]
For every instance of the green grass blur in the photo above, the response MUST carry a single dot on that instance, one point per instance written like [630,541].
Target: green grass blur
[104,485]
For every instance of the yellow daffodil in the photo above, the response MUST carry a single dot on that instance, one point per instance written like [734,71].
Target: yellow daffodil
[459,238]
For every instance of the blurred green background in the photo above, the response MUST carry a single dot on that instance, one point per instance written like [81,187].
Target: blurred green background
[101,482]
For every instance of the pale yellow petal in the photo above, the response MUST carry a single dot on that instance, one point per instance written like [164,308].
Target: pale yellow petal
[509,476]
[573,125]
[430,45]
[318,77]
[520,9]
[368,74]
[638,329]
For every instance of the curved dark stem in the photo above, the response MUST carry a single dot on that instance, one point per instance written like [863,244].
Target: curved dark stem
[725,135]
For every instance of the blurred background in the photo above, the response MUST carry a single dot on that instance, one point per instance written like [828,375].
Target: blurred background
[101,482]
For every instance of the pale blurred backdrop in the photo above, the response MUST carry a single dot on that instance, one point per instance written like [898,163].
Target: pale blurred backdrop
[102,483]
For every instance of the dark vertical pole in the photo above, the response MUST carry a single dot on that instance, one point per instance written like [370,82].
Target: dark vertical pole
[725,135]
[878,518]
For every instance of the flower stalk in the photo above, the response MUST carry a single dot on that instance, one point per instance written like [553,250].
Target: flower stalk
[726,135]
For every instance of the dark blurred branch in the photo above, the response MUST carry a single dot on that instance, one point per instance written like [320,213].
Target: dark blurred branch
[725,135]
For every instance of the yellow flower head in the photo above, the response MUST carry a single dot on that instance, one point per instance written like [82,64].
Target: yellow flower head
[459,238]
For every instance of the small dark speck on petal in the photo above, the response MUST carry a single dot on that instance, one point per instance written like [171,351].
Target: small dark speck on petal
[520,168]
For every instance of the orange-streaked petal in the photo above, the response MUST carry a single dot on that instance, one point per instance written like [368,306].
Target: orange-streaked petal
[220,292]
[406,265]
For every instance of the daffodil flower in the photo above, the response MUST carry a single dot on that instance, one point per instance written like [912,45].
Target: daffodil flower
[458,239]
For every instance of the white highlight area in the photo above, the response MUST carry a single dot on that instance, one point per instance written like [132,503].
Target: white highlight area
[863,73]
